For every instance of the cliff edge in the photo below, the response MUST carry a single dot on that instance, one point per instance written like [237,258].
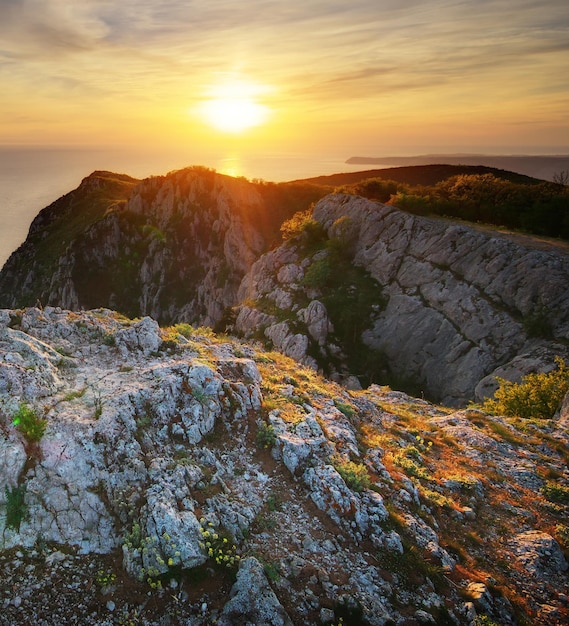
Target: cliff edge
[449,306]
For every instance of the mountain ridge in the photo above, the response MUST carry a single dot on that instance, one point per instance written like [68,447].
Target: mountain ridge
[184,247]
[425,174]
[154,471]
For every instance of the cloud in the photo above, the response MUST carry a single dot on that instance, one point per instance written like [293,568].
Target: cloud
[322,54]
[38,28]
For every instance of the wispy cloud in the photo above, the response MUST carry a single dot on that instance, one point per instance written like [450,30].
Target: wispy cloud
[323,54]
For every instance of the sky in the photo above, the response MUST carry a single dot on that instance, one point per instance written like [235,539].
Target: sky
[358,77]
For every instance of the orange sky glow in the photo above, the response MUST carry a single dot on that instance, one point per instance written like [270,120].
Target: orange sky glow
[369,77]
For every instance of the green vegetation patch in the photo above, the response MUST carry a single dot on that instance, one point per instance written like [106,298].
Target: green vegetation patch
[27,421]
[355,475]
[16,509]
[265,437]
[537,396]
[345,408]
[539,209]
[556,493]
[351,296]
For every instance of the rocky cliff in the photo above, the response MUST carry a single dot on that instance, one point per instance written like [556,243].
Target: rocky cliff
[175,247]
[368,293]
[454,304]
[170,476]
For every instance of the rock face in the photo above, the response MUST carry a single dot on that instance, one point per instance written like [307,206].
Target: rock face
[145,473]
[174,247]
[461,305]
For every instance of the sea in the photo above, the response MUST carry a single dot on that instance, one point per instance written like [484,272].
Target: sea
[32,177]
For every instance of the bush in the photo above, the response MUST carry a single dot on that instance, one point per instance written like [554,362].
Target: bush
[484,620]
[562,534]
[345,408]
[537,396]
[319,274]
[411,467]
[354,474]
[15,506]
[29,424]
[556,493]
[538,324]
[302,224]
[375,189]
[413,203]
[265,437]
[186,330]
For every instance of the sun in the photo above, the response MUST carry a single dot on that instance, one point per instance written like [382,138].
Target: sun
[234,107]
[234,115]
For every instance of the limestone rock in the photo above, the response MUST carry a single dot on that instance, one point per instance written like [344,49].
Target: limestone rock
[460,304]
[330,493]
[538,553]
[481,597]
[253,601]
[564,413]
[143,335]
[317,322]
[149,446]
[298,445]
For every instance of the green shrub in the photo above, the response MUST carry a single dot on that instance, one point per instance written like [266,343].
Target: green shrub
[15,506]
[29,424]
[562,534]
[374,189]
[354,474]
[109,339]
[484,620]
[273,502]
[265,437]
[302,225]
[272,571]
[538,324]
[411,202]
[319,274]
[345,408]
[186,330]
[438,499]
[537,396]
[556,493]
[411,466]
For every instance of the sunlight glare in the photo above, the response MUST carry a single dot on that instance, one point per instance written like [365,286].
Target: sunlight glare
[234,107]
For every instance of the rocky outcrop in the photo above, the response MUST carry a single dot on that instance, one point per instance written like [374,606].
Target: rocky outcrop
[460,305]
[144,473]
[174,247]
[253,599]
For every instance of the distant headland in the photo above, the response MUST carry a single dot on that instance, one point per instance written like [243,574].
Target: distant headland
[538,166]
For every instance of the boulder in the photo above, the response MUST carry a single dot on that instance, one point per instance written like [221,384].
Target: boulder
[252,599]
